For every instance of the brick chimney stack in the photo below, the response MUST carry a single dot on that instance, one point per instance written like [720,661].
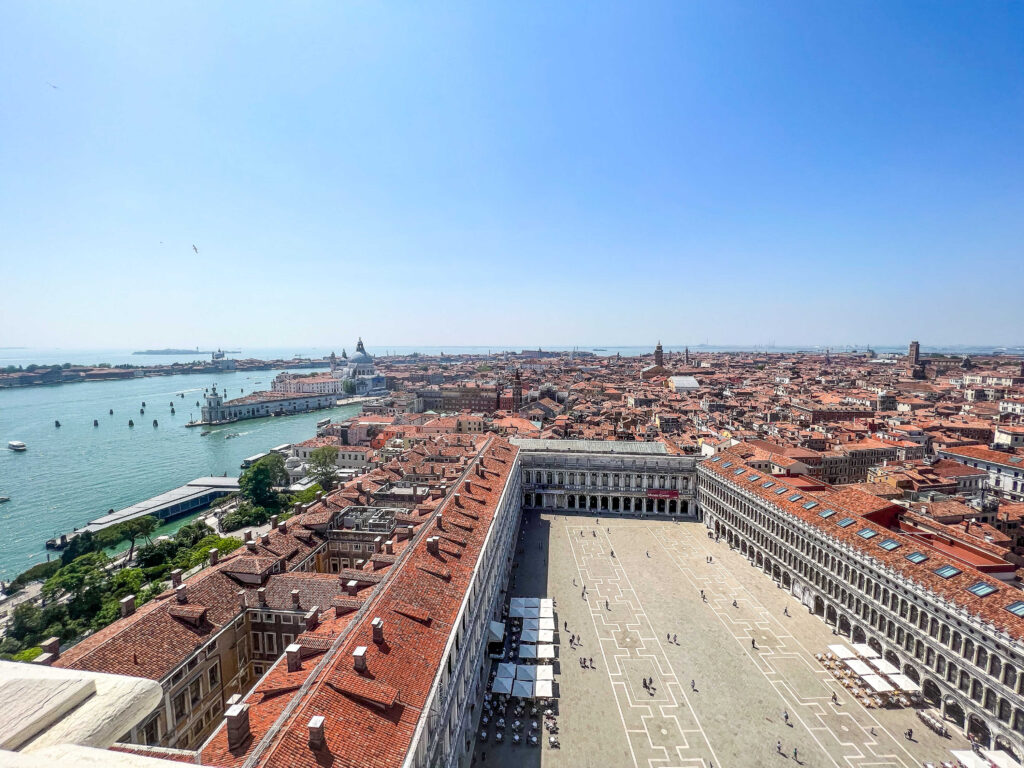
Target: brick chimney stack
[317,737]
[378,630]
[127,605]
[237,718]
[294,657]
[359,659]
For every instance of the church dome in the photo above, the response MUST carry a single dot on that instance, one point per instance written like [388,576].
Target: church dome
[360,355]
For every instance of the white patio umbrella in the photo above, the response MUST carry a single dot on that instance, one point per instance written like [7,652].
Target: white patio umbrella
[542,689]
[859,667]
[546,623]
[545,651]
[546,636]
[884,667]
[876,683]
[526,672]
[842,651]
[864,650]
[545,672]
[523,689]
[502,685]
[546,611]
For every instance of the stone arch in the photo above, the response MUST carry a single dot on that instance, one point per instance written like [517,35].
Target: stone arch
[931,692]
[911,671]
[787,582]
[1003,743]
[844,625]
[831,615]
[819,605]
[858,635]
[873,642]
[954,711]
[892,657]
[978,729]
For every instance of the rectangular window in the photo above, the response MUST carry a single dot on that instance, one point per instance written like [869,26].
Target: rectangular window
[867,533]
[781,490]
[810,505]
[826,513]
[1016,608]
[715,459]
[195,693]
[981,589]
[753,477]
[257,642]
[889,544]
[846,522]
[795,497]
[917,557]
[270,643]
[739,472]
[947,571]
[214,677]
[727,465]
[180,707]
[767,484]
[267,618]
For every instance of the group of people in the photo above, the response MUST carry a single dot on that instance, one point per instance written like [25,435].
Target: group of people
[778,748]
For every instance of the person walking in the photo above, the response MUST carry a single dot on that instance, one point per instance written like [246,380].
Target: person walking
[645,684]
[753,643]
[778,747]
[591,662]
[693,685]
[794,755]
[648,552]
[734,604]
[785,717]
[674,639]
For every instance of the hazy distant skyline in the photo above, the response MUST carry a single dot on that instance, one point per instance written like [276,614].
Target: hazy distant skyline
[474,174]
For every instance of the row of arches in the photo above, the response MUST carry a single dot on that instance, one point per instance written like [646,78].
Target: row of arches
[969,701]
[620,504]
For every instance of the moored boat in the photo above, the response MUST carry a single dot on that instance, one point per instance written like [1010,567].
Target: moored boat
[4,499]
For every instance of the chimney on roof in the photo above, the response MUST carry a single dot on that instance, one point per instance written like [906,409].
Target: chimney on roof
[440,521]
[295,599]
[458,499]
[241,599]
[181,593]
[265,539]
[233,699]
[282,526]
[51,651]
[237,718]
[319,495]
[273,521]
[432,545]
[247,536]
[352,587]
[214,556]
[312,618]
[294,655]
[250,546]
[359,485]
[176,577]
[317,738]
[389,546]
[261,593]
[359,659]
[378,630]
[127,605]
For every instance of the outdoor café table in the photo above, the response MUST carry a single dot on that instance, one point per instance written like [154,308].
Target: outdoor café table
[515,738]
[501,722]
[533,740]
[499,736]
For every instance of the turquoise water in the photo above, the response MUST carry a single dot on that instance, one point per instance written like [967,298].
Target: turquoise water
[69,476]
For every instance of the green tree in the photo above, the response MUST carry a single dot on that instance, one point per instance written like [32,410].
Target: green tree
[257,485]
[306,496]
[348,387]
[189,535]
[136,528]
[323,466]
[275,463]
[82,544]
[84,581]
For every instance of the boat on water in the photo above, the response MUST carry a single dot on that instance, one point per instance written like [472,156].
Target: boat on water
[204,433]
[4,499]
[17,445]
[230,435]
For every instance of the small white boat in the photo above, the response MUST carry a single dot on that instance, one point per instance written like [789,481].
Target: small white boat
[4,499]
[17,445]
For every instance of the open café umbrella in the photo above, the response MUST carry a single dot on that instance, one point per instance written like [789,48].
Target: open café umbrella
[542,689]
[502,685]
[523,689]
[526,672]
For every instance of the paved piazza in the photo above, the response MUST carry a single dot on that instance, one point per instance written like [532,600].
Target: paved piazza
[734,717]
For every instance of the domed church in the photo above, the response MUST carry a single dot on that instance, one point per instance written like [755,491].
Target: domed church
[359,368]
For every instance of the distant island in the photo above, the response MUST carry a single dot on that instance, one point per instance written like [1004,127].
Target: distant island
[195,351]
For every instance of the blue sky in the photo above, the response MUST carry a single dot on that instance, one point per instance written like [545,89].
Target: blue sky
[514,173]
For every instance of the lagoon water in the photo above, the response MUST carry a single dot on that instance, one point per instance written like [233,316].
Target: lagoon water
[70,475]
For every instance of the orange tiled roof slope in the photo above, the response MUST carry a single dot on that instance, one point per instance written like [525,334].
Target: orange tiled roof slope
[370,718]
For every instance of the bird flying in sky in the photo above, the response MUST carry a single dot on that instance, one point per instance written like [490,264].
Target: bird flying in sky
[52,85]
[194,248]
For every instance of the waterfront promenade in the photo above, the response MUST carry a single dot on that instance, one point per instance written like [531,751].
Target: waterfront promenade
[74,474]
